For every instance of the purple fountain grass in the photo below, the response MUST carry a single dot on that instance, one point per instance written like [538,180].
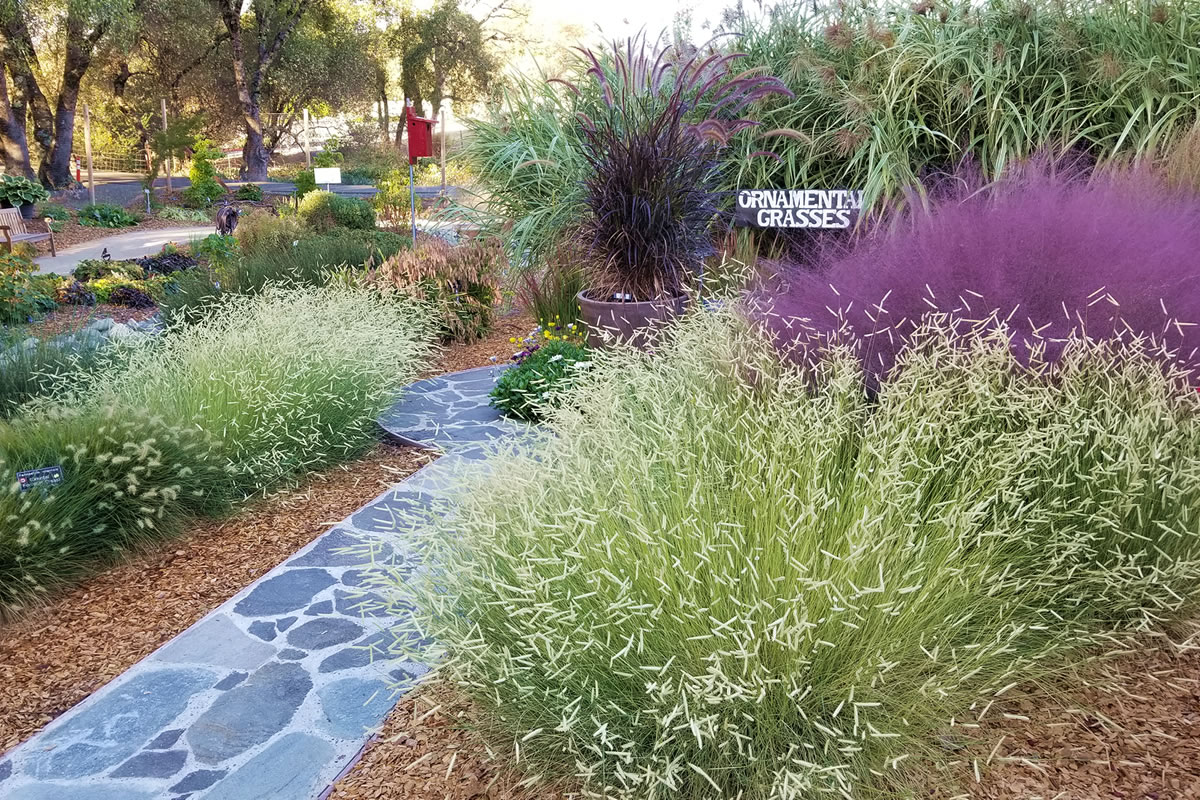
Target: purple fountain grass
[653,149]
[1049,252]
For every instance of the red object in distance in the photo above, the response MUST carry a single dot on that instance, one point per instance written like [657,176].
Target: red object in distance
[420,136]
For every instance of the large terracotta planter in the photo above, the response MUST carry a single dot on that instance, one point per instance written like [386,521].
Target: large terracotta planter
[609,321]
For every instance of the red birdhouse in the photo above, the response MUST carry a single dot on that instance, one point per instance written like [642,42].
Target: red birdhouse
[420,135]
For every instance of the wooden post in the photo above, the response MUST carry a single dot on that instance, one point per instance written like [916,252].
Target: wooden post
[443,151]
[170,157]
[307,148]
[87,148]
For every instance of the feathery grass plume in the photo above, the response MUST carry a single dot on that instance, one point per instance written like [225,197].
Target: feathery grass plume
[287,381]
[725,575]
[130,477]
[1051,251]
[998,82]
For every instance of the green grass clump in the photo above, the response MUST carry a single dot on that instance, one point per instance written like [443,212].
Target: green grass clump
[724,576]
[34,369]
[286,380]
[153,432]
[130,477]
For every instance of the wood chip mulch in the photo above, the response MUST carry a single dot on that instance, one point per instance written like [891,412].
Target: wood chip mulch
[1133,732]
[69,319]
[429,750]
[62,652]
[479,353]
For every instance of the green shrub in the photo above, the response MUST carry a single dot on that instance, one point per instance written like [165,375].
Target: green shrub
[23,294]
[725,576]
[204,187]
[215,249]
[89,269]
[353,213]
[538,380]
[323,211]
[305,182]
[130,478]
[54,211]
[105,215]
[184,214]
[286,381]
[262,231]
[249,191]
[316,210]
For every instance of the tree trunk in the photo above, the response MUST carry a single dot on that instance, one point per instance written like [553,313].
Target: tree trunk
[16,46]
[13,142]
[249,83]
[56,168]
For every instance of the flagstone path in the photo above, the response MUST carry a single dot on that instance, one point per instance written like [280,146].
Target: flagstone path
[273,694]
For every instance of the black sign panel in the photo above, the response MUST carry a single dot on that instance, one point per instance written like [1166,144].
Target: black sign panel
[44,477]
[797,208]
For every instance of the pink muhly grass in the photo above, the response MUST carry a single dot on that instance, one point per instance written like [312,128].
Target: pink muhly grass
[1049,252]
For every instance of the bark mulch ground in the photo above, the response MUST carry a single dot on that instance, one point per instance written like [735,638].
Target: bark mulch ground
[1133,732]
[479,353]
[61,653]
[429,750]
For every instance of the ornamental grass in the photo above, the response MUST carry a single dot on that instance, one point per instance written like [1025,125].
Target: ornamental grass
[159,431]
[728,576]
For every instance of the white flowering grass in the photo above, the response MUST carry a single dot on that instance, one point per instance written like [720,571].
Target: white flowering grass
[267,388]
[288,380]
[724,578]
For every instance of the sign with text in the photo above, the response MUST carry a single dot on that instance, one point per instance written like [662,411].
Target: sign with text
[327,175]
[797,208]
[44,477]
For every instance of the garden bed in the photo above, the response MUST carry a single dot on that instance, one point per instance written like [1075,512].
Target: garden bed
[1134,733]
[60,653]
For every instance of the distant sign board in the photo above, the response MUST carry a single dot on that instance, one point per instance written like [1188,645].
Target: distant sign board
[43,477]
[327,175]
[797,208]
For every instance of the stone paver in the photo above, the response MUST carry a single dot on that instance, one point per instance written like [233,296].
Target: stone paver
[451,412]
[272,694]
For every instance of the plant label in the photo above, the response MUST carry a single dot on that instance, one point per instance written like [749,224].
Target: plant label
[327,175]
[797,208]
[43,477]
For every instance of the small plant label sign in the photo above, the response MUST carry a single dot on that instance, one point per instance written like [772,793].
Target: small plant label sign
[44,477]
[327,175]
[798,208]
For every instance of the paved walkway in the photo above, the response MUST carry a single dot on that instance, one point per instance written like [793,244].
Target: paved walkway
[272,695]
[134,244]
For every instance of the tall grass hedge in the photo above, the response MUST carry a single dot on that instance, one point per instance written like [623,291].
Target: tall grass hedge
[270,387]
[886,93]
[726,576]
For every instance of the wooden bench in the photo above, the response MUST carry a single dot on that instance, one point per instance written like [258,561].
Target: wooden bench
[12,225]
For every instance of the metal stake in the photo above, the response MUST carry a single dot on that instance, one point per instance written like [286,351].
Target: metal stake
[412,201]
